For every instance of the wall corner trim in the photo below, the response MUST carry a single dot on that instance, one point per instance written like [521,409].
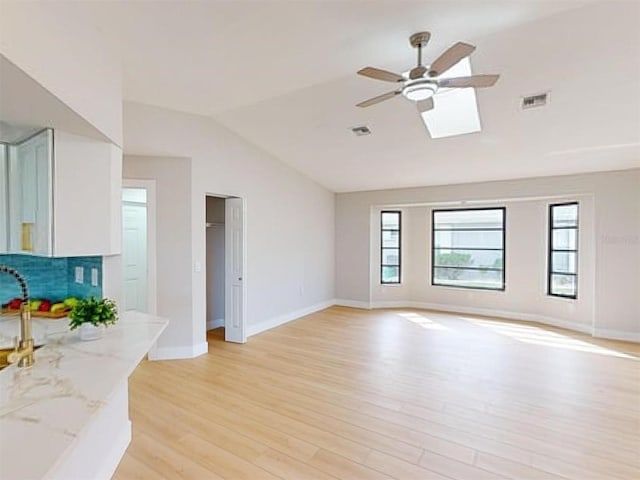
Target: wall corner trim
[178,353]
[617,335]
[353,303]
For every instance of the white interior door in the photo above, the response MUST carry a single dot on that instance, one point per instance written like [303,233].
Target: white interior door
[134,256]
[235,302]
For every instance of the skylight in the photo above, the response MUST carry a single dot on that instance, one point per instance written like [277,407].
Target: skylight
[456,109]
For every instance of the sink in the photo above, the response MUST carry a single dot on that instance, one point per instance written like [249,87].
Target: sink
[4,353]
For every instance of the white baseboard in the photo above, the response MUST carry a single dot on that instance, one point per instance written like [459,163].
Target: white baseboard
[351,303]
[177,353]
[213,324]
[617,335]
[282,319]
[488,312]
[527,317]
[394,304]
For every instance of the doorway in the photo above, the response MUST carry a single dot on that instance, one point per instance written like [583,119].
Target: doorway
[138,246]
[215,276]
[225,267]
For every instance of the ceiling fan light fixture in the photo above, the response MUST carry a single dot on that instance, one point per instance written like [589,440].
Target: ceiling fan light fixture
[419,91]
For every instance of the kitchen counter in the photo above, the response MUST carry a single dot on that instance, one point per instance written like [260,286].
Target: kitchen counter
[67,416]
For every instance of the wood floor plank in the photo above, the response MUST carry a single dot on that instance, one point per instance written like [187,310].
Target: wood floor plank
[389,395]
[343,468]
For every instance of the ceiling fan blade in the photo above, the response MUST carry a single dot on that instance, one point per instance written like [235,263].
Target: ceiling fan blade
[378,99]
[378,74]
[449,58]
[417,72]
[475,81]
[425,105]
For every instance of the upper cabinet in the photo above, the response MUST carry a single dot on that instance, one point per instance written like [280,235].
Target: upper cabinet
[87,190]
[4,200]
[30,199]
[63,196]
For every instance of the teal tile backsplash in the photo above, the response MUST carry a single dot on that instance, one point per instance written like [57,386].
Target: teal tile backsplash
[52,278]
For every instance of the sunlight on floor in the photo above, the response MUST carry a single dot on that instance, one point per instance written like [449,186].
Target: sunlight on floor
[422,321]
[540,336]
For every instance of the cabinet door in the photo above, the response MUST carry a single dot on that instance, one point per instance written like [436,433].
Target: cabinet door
[30,195]
[4,200]
[87,195]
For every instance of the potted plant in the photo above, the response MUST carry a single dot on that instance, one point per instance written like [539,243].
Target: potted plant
[91,316]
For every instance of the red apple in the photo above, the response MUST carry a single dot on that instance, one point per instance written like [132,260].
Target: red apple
[15,304]
[45,306]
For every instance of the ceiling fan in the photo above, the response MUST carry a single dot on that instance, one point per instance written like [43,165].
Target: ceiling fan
[421,83]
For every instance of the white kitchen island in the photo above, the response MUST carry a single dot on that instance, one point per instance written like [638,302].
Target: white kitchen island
[67,416]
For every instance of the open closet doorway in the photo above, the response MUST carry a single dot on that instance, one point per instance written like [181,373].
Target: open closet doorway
[138,246]
[225,264]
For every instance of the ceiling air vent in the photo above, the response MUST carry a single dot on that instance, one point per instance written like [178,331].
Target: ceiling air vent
[360,131]
[535,101]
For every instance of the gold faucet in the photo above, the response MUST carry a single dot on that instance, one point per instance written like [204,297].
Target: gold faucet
[23,353]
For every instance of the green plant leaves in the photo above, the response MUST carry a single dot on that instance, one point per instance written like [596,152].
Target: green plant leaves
[95,311]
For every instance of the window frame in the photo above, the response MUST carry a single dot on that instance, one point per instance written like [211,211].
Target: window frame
[382,247]
[503,287]
[551,250]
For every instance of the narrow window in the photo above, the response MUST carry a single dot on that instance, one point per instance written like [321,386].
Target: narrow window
[390,242]
[563,250]
[468,248]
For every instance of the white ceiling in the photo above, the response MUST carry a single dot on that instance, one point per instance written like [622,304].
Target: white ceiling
[282,75]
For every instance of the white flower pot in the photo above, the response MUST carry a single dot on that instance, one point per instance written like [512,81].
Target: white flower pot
[88,331]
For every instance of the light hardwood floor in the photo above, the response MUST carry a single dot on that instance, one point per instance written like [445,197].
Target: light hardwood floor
[391,394]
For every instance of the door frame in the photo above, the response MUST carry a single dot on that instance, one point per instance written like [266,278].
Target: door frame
[152,276]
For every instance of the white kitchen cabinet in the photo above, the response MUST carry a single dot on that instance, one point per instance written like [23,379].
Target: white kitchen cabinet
[4,200]
[64,196]
[87,186]
[30,198]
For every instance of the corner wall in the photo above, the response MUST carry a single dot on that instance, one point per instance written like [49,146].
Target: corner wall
[173,246]
[608,303]
[289,218]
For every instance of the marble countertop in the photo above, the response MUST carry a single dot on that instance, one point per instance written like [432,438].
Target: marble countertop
[44,409]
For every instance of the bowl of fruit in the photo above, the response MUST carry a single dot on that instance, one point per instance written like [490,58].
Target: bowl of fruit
[42,307]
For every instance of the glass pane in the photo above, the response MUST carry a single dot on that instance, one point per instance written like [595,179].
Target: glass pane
[391,220]
[390,256]
[466,239]
[467,278]
[564,239]
[469,258]
[563,262]
[468,219]
[390,274]
[563,285]
[565,215]
[390,239]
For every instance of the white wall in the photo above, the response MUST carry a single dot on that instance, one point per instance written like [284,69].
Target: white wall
[289,218]
[54,43]
[173,244]
[609,256]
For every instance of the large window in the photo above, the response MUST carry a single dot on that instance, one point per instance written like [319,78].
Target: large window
[563,250]
[468,248]
[390,242]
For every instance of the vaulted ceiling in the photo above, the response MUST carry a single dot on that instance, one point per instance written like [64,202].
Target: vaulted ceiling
[282,75]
